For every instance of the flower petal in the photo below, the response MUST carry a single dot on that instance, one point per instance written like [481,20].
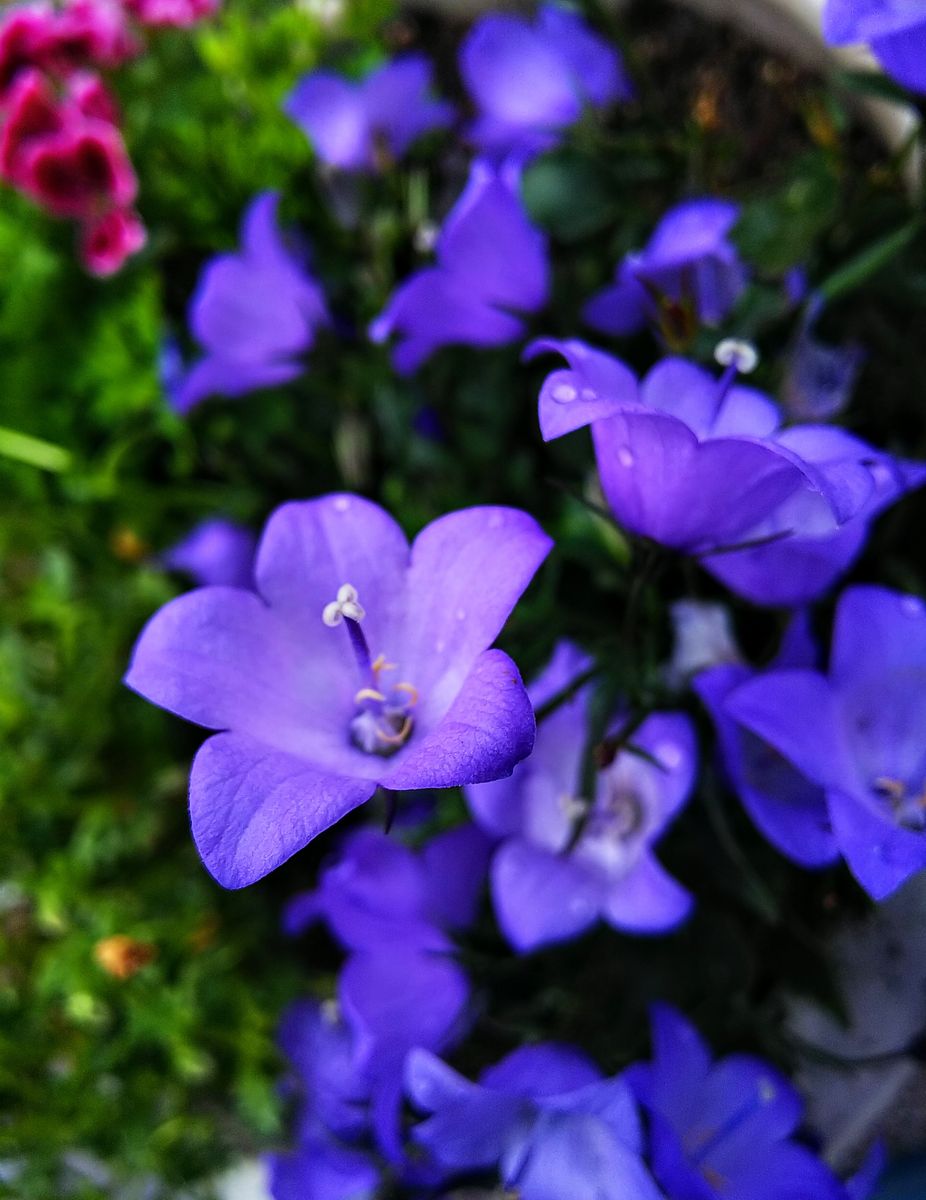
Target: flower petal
[879,855]
[541,897]
[253,807]
[331,113]
[647,900]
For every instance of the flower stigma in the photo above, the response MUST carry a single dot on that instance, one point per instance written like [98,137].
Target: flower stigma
[383,721]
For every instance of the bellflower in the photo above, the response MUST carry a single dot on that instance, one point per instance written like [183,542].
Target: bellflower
[702,637]
[788,809]
[722,1129]
[819,379]
[895,30]
[564,860]
[689,461]
[358,663]
[255,313]
[857,732]
[688,261]
[216,552]
[531,79]
[321,1169]
[379,893]
[543,1117]
[352,124]
[491,265]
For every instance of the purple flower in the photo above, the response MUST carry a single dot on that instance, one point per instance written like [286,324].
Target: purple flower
[799,551]
[351,123]
[690,461]
[565,860]
[216,552]
[543,1118]
[857,732]
[491,265]
[320,1169]
[895,30]
[358,663]
[723,1129]
[689,260]
[530,80]
[788,809]
[379,893]
[254,313]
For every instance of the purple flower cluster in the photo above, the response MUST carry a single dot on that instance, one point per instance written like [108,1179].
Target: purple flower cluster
[895,30]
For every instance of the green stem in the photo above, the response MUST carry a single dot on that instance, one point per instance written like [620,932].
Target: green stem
[33,451]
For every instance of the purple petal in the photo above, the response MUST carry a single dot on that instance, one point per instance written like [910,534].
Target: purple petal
[541,897]
[468,570]
[215,376]
[903,55]
[861,20]
[217,553]
[513,72]
[797,713]
[789,1172]
[595,386]
[497,806]
[681,389]
[455,864]
[596,66]
[670,739]
[397,102]
[323,1170]
[663,484]
[331,112]
[880,855]
[253,807]
[621,308]
[647,900]
[788,809]
[546,1070]
[678,1072]
[691,230]
[486,731]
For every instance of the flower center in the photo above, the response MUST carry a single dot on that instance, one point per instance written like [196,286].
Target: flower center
[906,808]
[382,722]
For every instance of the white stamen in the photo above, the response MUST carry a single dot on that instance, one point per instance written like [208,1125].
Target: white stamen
[732,352]
[346,605]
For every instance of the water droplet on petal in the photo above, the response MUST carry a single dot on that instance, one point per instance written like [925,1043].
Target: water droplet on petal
[912,606]
[625,456]
[341,504]
[564,393]
[669,755]
[460,614]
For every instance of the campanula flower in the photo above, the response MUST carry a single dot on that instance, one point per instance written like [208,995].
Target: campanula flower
[379,893]
[543,1118]
[819,378]
[788,809]
[799,552]
[702,637]
[491,266]
[353,125]
[357,663]
[531,79]
[255,313]
[688,262]
[857,732]
[566,860]
[895,30]
[217,552]
[322,1169]
[687,460]
[723,1128]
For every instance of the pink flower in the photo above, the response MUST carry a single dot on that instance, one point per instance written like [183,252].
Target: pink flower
[33,113]
[23,36]
[90,32]
[107,241]
[80,171]
[178,13]
[92,98]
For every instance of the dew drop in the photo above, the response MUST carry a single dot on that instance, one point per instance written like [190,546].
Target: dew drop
[341,504]
[564,393]
[669,755]
[912,606]
[625,457]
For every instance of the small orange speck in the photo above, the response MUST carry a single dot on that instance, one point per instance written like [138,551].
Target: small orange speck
[127,545]
[122,956]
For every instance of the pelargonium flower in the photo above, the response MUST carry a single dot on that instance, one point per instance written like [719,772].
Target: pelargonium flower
[684,459]
[24,30]
[108,240]
[352,124]
[565,860]
[689,261]
[543,1117]
[491,265]
[857,732]
[720,1129]
[788,809]
[217,552]
[895,30]
[358,663]
[254,312]
[176,13]
[531,79]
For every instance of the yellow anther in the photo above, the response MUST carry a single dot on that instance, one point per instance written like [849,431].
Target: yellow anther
[369,694]
[891,789]
[410,690]
[396,739]
[380,664]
